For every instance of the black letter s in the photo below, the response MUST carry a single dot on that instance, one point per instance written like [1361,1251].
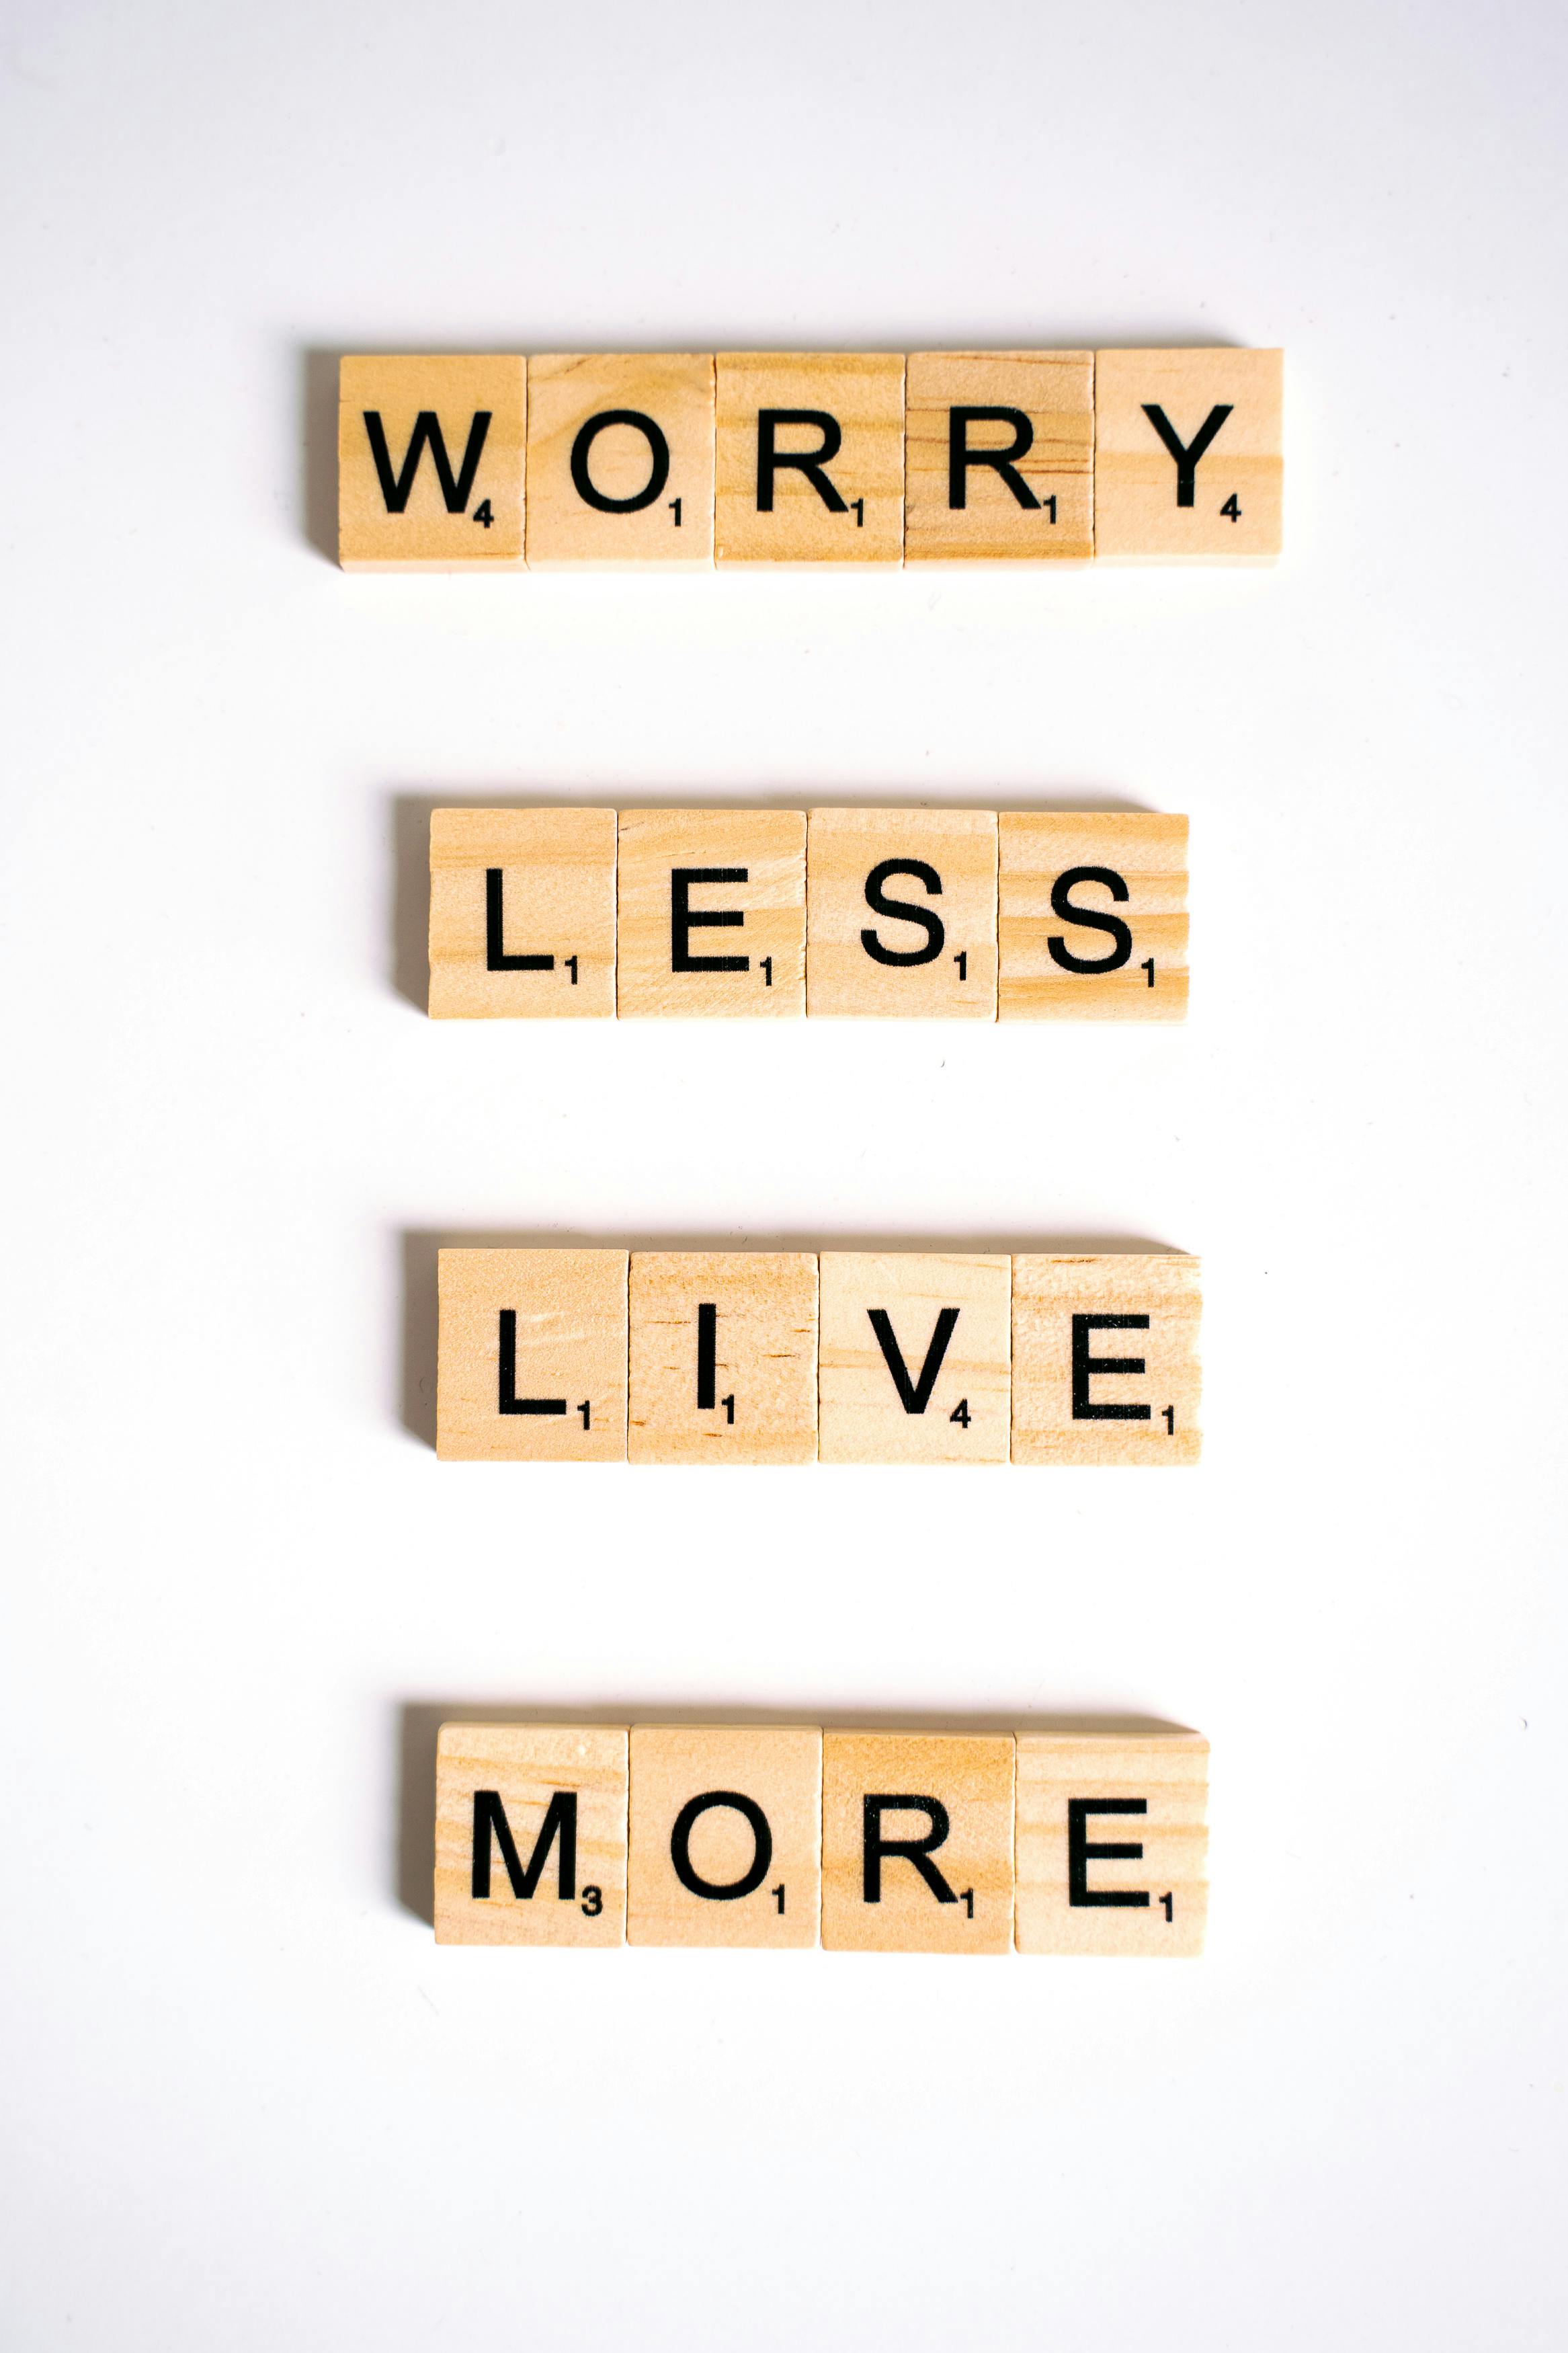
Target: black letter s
[903,912]
[1093,918]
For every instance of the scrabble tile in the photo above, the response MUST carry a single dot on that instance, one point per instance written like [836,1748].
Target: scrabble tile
[999,456]
[430,464]
[1189,456]
[531,1834]
[901,912]
[1110,1843]
[1105,1358]
[724,1356]
[810,458]
[620,459]
[917,1842]
[1091,917]
[726,1835]
[522,913]
[532,1360]
[914,1357]
[712,913]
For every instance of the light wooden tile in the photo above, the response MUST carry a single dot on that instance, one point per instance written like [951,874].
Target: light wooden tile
[531,1357]
[848,409]
[712,913]
[901,912]
[724,1356]
[1072,1316]
[555,1796]
[947,1796]
[423,483]
[1035,410]
[726,1835]
[914,1357]
[620,459]
[1077,1793]
[522,913]
[1091,917]
[1215,497]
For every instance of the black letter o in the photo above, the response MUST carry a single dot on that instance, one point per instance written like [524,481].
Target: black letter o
[680,1846]
[658,449]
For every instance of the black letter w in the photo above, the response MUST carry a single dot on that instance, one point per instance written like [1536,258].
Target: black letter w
[395,488]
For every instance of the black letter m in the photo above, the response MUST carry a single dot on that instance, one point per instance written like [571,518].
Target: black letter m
[395,488]
[559,1821]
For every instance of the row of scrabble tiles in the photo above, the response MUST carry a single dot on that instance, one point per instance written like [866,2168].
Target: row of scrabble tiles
[895,1842]
[775,1357]
[679,460]
[949,914]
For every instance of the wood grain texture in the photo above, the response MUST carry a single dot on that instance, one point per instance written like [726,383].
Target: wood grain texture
[525,1767]
[428,535]
[1053,394]
[1127,868]
[657,846]
[777,1769]
[1139,481]
[557,899]
[674,391]
[1086,1415]
[746,1394]
[947,1318]
[863,393]
[568,1347]
[1059,1904]
[958,1794]
[847,853]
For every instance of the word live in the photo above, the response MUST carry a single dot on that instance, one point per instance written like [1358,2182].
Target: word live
[955,914]
[764,1357]
[680,460]
[1063,1842]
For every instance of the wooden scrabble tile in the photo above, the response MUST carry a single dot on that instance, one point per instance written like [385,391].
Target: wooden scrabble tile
[901,912]
[1111,1846]
[810,458]
[917,1842]
[620,459]
[724,1356]
[430,464]
[531,1359]
[1105,1358]
[531,1834]
[522,913]
[999,456]
[914,1357]
[712,913]
[1091,917]
[1189,457]
[726,1835]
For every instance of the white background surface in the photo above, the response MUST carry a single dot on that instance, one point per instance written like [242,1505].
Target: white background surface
[247,2105]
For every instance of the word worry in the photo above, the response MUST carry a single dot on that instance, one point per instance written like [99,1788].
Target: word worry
[565,914]
[764,1357]
[781,1835]
[682,461]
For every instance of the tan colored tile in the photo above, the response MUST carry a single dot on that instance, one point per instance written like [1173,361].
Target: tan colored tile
[1091,916]
[724,1356]
[843,412]
[522,913]
[1036,411]
[914,1357]
[947,1796]
[620,460]
[1078,1795]
[901,912]
[1076,1315]
[1217,497]
[555,1796]
[681,871]
[422,485]
[726,1835]
[532,1355]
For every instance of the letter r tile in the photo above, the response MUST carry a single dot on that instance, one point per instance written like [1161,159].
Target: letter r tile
[999,457]
[430,464]
[810,458]
[917,1842]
